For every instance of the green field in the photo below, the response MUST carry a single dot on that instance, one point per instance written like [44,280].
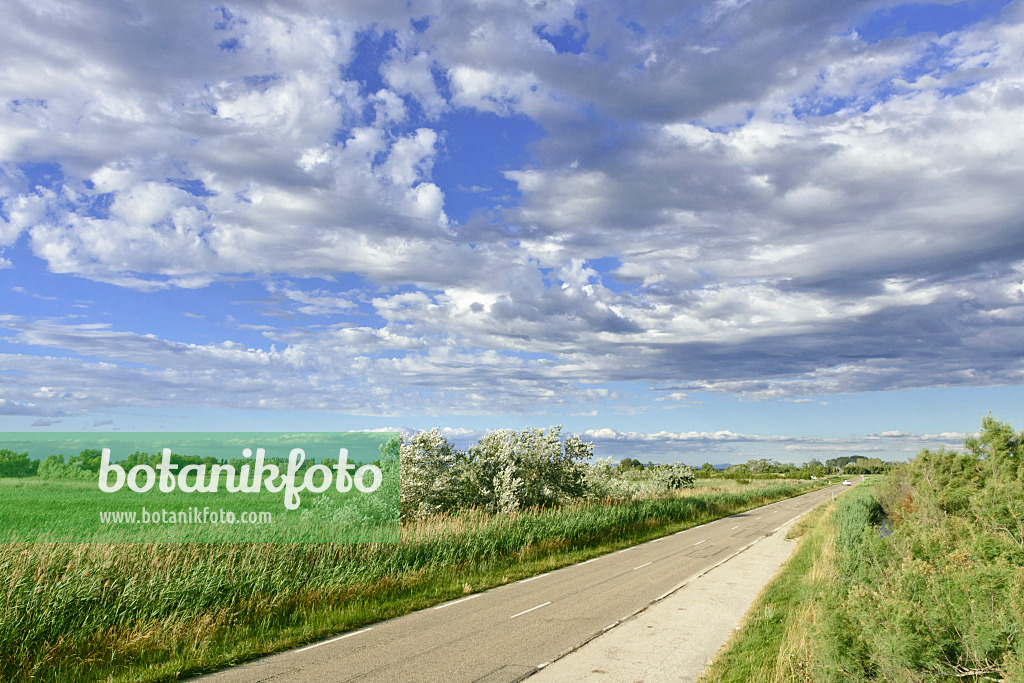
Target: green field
[225,487]
[34,510]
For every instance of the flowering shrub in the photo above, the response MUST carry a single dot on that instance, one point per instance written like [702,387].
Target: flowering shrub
[675,476]
[433,475]
[504,471]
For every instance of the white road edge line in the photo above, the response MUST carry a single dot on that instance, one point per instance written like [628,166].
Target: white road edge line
[593,559]
[643,565]
[735,527]
[334,640]
[699,542]
[529,610]
[539,576]
[455,602]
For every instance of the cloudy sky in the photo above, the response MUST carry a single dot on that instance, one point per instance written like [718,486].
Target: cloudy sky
[697,230]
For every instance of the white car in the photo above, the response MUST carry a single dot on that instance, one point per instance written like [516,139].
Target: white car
[847,482]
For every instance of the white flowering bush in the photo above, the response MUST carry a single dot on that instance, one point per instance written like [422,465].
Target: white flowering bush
[675,476]
[433,475]
[603,480]
[509,470]
[512,470]
[504,471]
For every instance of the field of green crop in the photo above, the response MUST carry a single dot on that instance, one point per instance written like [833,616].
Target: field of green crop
[150,612]
[62,511]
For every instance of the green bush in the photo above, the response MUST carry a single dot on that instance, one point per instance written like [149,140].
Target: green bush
[16,464]
[941,597]
[54,467]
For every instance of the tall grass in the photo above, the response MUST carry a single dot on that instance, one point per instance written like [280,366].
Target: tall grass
[139,612]
[777,642]
[928,587]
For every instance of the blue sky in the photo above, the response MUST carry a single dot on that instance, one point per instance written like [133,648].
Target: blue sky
[706,231]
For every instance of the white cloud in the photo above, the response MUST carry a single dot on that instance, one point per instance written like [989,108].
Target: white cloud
[411,74]
[726,446]
[791,210]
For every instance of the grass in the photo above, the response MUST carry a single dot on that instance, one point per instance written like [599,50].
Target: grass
[775,641]
[939,598]
[159,612]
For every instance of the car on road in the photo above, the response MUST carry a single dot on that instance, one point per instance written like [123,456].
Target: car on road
[847,482]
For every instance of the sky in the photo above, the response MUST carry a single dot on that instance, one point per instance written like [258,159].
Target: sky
[697,231]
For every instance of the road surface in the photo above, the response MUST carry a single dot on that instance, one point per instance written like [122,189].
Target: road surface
[508,633]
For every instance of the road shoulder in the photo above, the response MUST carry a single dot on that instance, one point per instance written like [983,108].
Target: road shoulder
[676,638]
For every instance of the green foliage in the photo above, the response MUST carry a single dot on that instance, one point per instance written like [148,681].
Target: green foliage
[88,460]
[16,464]
[54,467]
[942,595]
[919,577]
[856,464]
[737,472]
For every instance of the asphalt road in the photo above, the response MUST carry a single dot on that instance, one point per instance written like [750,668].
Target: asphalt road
[507,633]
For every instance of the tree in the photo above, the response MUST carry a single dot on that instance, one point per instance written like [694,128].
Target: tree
[16,464]
[88,459]
[737,472]
[504,471]
[54,467]
[814,468]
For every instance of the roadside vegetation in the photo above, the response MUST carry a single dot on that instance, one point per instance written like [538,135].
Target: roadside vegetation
[513,505]
[916,576]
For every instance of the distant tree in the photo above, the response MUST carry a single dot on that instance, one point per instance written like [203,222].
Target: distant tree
[54,467]
[16,464]
[842,461]
[88,459]
[707,470]
[737,472]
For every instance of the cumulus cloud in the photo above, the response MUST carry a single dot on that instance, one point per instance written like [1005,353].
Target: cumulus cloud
[728,447]
[728,197]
